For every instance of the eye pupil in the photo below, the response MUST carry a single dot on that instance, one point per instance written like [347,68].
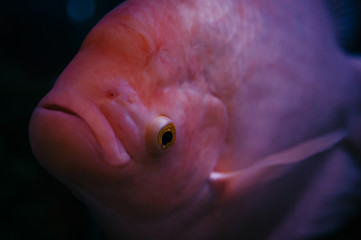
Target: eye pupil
[167,138]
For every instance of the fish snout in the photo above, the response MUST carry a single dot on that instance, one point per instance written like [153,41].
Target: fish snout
[66,122]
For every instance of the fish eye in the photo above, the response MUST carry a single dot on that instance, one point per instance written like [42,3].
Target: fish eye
[160,134]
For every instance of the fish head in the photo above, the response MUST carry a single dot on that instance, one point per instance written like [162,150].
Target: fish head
[123,128]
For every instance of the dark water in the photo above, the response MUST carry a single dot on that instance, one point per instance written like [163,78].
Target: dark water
[38,39]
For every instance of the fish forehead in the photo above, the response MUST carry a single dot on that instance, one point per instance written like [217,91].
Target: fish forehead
[209,44]
[156,51]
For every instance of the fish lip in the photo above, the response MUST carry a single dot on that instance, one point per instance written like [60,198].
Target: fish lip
[120,158]
[59,108]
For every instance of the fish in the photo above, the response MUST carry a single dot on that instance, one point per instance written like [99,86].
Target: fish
[208,119]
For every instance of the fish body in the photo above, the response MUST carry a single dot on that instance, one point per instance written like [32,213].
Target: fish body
[254,107]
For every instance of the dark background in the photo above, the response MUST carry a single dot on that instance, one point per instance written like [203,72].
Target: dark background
[38,39]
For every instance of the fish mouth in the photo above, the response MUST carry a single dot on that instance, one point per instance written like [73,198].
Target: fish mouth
[58,108]
[83,126]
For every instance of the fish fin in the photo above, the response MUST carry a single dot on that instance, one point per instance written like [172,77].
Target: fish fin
[327,202]
[305,150]
[274,165]
[300,193]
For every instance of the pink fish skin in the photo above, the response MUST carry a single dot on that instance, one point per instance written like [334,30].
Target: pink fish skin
[264,103]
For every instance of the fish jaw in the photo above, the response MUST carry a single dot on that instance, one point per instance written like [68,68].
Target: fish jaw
[52,137]
[67,131]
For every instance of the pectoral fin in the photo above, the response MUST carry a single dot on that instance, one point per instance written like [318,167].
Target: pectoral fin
[275,165]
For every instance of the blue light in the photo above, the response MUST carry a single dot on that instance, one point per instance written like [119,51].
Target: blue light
[80,10]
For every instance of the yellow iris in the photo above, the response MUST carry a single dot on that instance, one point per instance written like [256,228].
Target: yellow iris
[160,134]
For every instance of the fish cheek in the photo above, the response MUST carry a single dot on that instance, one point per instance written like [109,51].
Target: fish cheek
[202,140]
[214,128]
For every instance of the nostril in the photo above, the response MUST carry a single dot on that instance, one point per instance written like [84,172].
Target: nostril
[112,94]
